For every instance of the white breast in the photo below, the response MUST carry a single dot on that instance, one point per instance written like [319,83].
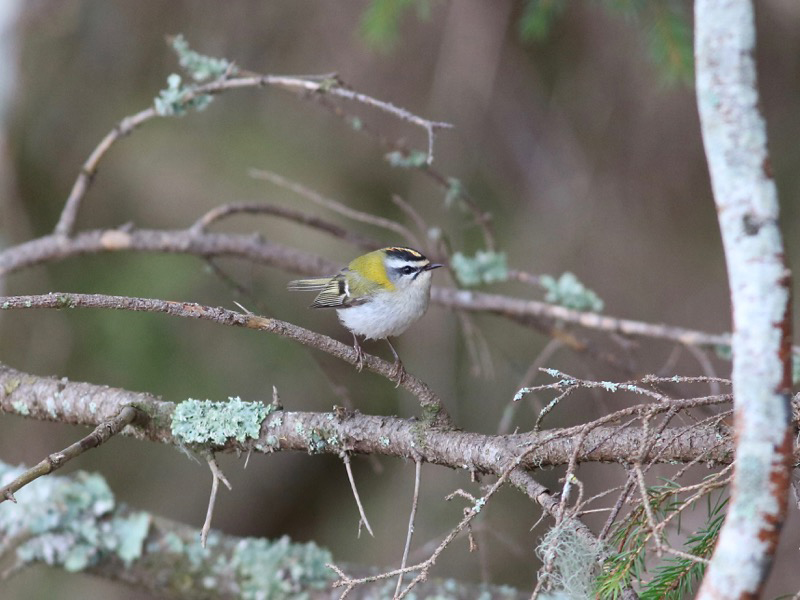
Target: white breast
[388,313]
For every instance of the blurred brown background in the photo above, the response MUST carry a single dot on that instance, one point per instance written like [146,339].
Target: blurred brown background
[588,158]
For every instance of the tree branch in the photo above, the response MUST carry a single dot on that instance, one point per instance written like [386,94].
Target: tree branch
[59,400]
[304,85]
[164,558]
[435,413]
[251,247]
[735,140]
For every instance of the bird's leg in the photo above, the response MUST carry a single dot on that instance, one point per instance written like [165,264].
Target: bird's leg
[398,370]
[359,353]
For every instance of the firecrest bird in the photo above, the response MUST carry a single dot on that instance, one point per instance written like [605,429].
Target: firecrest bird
[376,296]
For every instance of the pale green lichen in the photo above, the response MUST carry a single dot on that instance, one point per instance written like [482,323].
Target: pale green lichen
[20,407]
[69,522]
[609,386]
[413,159]
[207,422]
[572,559]
[319,440]
[176,99]
[50,406]
[199,66]
[569,292]
[485,267]
[280,569]
[455,191]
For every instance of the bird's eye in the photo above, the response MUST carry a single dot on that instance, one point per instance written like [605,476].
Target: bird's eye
[407,270]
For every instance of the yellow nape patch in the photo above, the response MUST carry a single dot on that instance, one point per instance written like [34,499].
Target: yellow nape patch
[370,266]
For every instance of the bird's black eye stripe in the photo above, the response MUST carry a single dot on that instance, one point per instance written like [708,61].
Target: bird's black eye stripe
[407,270]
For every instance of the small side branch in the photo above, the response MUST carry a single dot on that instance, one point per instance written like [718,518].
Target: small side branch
[411,519]
[362,514]
[101,434]
[66,222]
[216,476]
[331,88]
[264,208]
[334,205]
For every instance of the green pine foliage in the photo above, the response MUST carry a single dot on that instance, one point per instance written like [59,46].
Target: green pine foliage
[675,577]
[670,42]
[569,292]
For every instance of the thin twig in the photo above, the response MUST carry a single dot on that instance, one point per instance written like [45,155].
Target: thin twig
[363,516]
[418,221]
[69,213]
[708,368]
[480,357]
[540,361]
[101,434]
[411,518]
[263,208]
[335,205]
[332,88]
[648,510]
[524,277]
[216,476]
[518,307]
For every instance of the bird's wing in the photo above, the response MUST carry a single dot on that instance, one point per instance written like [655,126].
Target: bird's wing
[345,290]
[308,285]
[333,295]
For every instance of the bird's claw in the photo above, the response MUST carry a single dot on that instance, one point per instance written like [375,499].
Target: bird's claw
[398,372]
[359,357]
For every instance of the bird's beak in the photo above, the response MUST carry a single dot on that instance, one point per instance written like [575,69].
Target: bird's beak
[432,266]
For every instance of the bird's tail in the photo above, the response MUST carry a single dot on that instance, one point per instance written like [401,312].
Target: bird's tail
[308,285]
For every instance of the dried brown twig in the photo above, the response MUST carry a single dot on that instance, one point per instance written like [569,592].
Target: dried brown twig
[216,476]
[101,434]
[338,207]
[362,515]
